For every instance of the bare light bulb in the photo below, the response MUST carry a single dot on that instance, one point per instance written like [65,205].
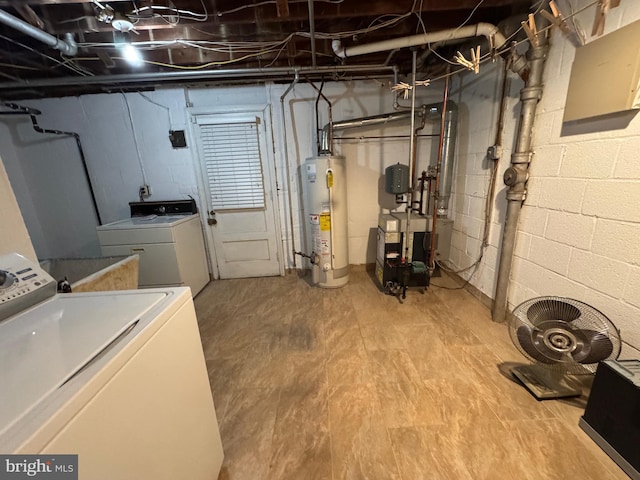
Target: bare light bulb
[132,55]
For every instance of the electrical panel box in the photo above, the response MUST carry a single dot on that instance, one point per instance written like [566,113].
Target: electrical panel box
[605,76]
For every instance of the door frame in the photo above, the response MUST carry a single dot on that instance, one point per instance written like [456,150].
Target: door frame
[268,167]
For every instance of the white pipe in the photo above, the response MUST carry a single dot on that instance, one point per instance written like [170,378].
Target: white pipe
[412,146]
[285,149]
[481,29]
[67,46]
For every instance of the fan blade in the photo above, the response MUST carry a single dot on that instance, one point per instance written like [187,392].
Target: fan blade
[533,347]
[552,309]
[597,347]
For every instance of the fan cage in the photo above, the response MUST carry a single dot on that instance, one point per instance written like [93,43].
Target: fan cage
[563,334]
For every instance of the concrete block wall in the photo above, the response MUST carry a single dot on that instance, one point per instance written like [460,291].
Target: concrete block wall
[478,97]
[580,225]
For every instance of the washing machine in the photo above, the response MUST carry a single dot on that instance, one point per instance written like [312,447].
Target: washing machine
[167,235]
[118,379]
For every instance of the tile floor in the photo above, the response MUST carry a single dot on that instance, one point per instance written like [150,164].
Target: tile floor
[349,384]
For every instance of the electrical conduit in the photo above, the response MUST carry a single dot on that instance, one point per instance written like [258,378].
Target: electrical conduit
[67,46]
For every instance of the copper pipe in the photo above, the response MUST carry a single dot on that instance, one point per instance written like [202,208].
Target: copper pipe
[436,191]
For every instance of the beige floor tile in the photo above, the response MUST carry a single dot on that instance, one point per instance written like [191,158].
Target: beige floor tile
[247,432]
[486,450]
[393,366]
[383,337]
[347,361]
[409,404]
[420,452]
[555,453]
[352,384]
[301,442]
[429,355]
[360,445]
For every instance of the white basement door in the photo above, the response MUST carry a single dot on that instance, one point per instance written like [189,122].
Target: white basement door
[239,177]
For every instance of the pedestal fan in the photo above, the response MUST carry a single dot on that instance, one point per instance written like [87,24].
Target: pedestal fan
[561,336]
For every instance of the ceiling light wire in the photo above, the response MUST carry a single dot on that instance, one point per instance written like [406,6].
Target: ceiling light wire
[135,139]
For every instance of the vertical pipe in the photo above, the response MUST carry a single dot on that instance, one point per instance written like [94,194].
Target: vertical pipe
[288,167]
[414,156]
[312,32]
[85,168]
[318,119]
[448,146]
[412,149]
[515,176]
[496,160]
[436,190]
[319,143]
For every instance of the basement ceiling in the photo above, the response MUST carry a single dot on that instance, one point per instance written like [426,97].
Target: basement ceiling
[218,40]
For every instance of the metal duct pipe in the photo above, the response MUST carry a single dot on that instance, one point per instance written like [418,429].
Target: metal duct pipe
[67,46]
[439,168]
[431,112]
[491,32]
[448,135]
[327,131]
[515,177]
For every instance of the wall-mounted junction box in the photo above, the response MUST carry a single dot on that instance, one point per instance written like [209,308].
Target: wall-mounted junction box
[605,77]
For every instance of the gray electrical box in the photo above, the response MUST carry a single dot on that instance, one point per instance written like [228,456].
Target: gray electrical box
[605,77]
[396,179]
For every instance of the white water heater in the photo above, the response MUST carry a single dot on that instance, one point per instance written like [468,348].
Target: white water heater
[325,197]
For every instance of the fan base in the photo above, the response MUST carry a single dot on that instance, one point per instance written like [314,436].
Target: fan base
[544,384]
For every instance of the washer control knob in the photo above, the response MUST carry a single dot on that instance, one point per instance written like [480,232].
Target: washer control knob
[6,279]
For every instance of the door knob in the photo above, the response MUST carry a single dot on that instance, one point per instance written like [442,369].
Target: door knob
[212,221]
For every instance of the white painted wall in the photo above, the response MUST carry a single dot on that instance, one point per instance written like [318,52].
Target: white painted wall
[15,237]
[110,147]
[579,228]
[49,183]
